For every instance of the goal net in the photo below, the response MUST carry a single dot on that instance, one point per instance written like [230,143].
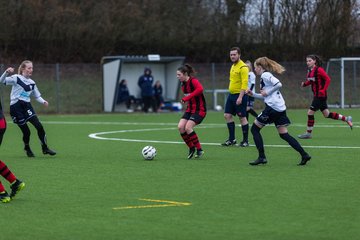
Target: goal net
[344,90]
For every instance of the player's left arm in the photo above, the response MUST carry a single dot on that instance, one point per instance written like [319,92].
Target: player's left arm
[37,95]
[244,76]
[323,75]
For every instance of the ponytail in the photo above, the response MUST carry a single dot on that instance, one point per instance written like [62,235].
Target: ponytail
[187,68]
[269,65]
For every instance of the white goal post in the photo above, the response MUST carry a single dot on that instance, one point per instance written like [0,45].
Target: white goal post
[346,69]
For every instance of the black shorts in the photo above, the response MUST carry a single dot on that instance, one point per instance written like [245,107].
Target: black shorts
[232,108]
[269,115]
[193,117]
[318,103]
[21,112]
[251,101]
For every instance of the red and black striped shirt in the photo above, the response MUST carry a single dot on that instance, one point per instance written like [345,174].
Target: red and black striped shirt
[319,81]
[194,96]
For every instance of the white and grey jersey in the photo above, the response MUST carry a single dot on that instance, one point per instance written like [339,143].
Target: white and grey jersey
[251,81]
[271,85]
[22,89]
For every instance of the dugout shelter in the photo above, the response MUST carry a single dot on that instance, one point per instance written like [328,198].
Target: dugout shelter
[131,68]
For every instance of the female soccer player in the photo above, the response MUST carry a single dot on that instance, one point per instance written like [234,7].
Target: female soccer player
[275,109]
[16,184]
[21,110]
[319,81]
[251,86]
[195,111]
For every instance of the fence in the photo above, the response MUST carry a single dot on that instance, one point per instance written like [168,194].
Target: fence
[69,88]
[78,88]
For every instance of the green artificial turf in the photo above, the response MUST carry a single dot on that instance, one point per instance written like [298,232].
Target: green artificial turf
[95,188]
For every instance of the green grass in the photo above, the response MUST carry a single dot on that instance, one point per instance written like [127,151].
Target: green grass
[73,195]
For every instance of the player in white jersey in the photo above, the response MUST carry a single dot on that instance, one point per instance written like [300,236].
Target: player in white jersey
[21,110]
[275,109]
[251,86]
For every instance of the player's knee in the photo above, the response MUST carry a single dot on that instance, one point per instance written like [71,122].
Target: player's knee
[188,129]
[39,127]
[284,135]
[227,117]
[181,128]
[255,129]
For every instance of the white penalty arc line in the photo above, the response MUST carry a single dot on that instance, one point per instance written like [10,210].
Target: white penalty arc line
[98,136]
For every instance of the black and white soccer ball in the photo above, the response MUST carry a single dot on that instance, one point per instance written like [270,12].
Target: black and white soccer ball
[148,152]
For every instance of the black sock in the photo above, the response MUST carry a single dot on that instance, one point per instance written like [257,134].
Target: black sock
[293,143]
[245,130]
[255,130]
[231,128]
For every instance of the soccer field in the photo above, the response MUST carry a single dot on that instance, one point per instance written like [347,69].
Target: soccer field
[99,187]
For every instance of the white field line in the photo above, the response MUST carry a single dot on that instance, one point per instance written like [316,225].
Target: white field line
[100,134]
[203,125]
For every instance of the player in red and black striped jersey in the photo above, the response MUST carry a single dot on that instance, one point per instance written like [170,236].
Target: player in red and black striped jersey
[16,184]
[195,111]
[319,81]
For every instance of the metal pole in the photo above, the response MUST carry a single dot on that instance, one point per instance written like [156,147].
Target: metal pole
[342,84]
[353,95]
[57,77]
[213,83]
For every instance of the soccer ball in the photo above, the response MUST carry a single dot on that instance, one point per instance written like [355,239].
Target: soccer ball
[218,108]
[148,152]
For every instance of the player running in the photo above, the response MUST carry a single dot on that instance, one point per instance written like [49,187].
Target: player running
[275,109]
[319,81]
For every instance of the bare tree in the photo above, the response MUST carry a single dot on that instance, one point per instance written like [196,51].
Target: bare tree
[71,31]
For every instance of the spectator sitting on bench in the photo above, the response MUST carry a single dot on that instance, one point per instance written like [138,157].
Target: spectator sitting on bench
[124,95]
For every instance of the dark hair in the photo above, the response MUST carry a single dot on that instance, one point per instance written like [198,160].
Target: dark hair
[187,68]
[122,82]
[237,49]
[316,58]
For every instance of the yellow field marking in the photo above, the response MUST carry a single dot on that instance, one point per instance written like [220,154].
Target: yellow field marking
[167,204]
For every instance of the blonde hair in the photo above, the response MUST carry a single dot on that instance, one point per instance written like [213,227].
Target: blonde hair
[269,65]
[23,65]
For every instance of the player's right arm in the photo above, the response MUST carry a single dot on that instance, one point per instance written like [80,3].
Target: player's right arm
[306,83]
[5,74]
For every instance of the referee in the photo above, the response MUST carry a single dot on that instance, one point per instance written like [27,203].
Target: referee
[236,102]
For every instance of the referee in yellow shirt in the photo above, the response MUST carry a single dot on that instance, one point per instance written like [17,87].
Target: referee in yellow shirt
[237,100]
